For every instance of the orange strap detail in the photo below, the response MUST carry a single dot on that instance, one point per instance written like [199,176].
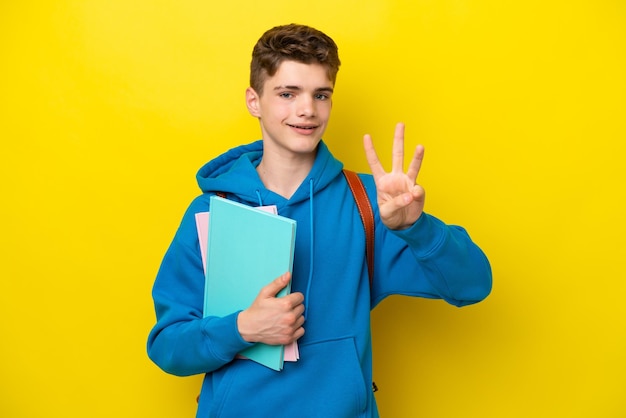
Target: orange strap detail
[367,216]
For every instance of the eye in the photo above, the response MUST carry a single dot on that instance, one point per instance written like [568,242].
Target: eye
[322,96]
[286,95]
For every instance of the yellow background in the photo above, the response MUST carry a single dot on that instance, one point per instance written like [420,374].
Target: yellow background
[108,108]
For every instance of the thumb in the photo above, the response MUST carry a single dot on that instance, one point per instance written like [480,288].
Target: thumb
[278,284]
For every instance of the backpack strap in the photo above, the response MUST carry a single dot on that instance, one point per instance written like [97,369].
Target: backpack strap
[367,217]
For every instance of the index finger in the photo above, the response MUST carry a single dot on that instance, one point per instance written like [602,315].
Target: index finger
[372,158]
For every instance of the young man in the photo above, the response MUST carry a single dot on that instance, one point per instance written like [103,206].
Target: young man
[293,75]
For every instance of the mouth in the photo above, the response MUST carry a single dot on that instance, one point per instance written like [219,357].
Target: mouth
[303,127]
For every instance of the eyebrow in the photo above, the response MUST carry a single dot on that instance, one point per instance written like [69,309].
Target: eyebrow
[299,88]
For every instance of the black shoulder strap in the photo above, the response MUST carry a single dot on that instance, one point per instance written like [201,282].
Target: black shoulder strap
[367,216]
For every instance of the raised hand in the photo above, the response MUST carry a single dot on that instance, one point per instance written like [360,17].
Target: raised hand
[400,199]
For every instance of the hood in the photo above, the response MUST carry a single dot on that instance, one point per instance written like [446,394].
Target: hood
[234,172]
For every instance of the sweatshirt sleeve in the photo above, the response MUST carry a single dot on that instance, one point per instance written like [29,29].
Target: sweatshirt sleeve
[183,342]
[431,259]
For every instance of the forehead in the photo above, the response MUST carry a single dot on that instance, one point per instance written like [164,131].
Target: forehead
[299,74]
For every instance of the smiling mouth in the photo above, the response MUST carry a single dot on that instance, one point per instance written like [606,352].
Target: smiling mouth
[310,128]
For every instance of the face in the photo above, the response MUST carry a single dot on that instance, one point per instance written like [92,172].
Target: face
[294,108]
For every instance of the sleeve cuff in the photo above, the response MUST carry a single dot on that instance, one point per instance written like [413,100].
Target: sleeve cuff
[223,336]
[425,236]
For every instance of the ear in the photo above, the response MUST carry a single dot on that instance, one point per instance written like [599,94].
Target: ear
[252,102]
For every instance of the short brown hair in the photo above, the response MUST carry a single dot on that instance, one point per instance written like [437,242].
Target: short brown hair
[292,43]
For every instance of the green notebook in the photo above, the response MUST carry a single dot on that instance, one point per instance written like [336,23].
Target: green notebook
[247,248]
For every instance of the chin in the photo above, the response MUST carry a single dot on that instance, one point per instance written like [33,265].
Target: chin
[306,145]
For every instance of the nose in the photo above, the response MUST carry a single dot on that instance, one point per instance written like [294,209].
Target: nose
[306,106]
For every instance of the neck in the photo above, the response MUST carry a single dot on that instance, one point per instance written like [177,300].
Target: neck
[284,176]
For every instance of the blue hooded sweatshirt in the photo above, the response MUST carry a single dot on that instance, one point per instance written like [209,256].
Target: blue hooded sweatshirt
[333,376]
